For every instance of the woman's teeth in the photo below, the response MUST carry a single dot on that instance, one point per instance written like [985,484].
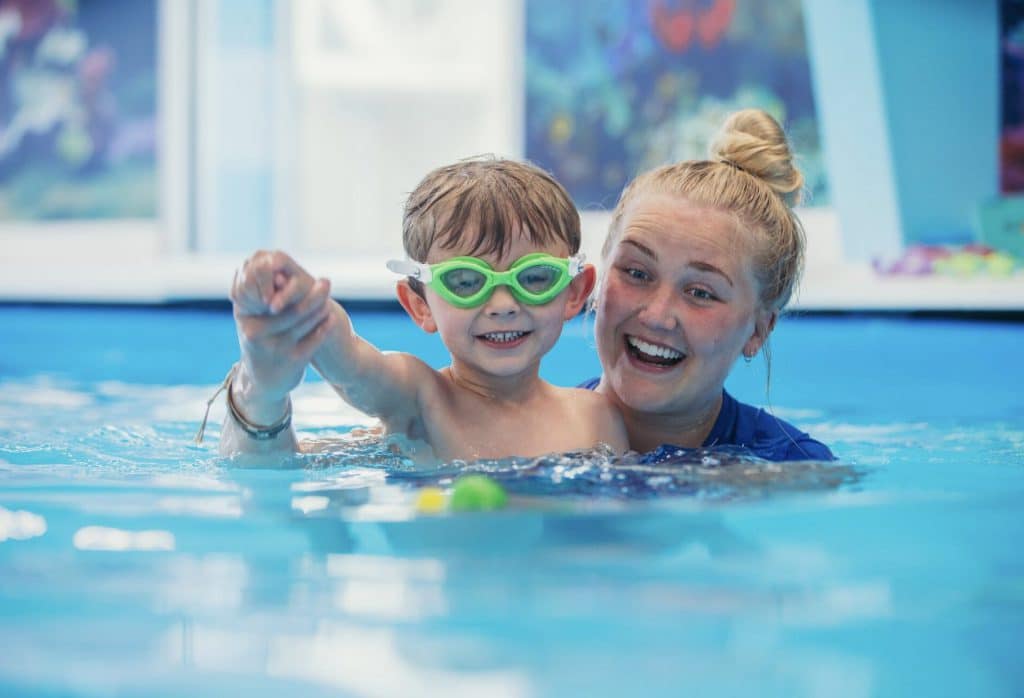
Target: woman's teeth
[654,353]
[502,337]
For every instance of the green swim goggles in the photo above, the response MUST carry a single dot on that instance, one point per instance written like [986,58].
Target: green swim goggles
[467,282]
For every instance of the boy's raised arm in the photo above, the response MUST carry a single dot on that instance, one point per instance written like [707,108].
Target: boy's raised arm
[285,318]
[384,385]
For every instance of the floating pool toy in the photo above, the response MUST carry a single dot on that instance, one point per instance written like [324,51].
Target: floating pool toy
[431,500]
[470,493]
[477,493]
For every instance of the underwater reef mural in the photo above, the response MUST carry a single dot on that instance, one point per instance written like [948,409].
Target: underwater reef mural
[1011,137]
[78,110]
[614,88]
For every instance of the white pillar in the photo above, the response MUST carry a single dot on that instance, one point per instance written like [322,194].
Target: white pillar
[907,95]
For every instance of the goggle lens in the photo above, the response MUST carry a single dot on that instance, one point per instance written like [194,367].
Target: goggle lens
[538,278]
[463,282]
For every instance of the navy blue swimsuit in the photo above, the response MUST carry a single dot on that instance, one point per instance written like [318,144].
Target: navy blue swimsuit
[739,425]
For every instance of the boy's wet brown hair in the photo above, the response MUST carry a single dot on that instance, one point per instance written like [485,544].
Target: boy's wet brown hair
[480,204]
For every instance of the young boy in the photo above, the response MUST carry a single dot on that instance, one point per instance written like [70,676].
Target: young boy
[493,267]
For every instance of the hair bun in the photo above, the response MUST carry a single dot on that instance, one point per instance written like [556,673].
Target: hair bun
[754,142]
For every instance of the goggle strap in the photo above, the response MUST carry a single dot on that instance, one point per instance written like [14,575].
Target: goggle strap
[407,267]
[576,264]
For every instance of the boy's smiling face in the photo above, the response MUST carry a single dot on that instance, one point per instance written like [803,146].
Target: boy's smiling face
[503,337]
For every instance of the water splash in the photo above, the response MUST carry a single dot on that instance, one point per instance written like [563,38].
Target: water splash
[122,431]
[707,474]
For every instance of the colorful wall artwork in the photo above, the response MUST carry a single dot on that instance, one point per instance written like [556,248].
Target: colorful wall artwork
[614,87]
[78,110]
[1011,141]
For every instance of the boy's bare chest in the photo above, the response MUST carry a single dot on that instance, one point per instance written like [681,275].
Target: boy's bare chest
[472,429]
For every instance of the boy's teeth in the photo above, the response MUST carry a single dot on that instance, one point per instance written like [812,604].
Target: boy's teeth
[503,336]
[653,349]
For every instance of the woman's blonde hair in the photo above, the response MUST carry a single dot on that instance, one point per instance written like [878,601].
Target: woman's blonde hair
[749,174]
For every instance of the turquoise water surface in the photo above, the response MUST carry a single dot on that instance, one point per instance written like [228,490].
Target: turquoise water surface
[134,563]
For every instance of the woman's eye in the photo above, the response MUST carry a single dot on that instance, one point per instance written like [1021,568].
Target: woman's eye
[702,294]
[636,274]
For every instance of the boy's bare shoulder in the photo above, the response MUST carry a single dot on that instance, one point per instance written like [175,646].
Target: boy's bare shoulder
[597,410]
[434,389]
[409,366]
[585,398]
[415,379]
[591,404]
[423,388]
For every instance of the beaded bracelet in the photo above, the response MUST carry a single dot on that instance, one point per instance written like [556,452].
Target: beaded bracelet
[256,431]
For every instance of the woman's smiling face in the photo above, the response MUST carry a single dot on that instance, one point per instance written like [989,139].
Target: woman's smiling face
[677,306]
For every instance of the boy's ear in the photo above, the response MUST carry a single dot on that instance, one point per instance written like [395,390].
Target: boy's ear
[579,291]
[416,305]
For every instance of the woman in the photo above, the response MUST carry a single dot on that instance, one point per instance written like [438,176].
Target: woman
[700,259]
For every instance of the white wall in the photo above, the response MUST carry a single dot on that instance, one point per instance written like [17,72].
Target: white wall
[394,96]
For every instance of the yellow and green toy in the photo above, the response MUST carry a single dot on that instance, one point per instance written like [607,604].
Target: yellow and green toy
[469,493]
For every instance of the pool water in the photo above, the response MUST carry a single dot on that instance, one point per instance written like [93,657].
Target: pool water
[134,563]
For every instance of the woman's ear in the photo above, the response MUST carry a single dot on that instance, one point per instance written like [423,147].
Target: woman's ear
[416,305]
[764,323]
[579,290]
